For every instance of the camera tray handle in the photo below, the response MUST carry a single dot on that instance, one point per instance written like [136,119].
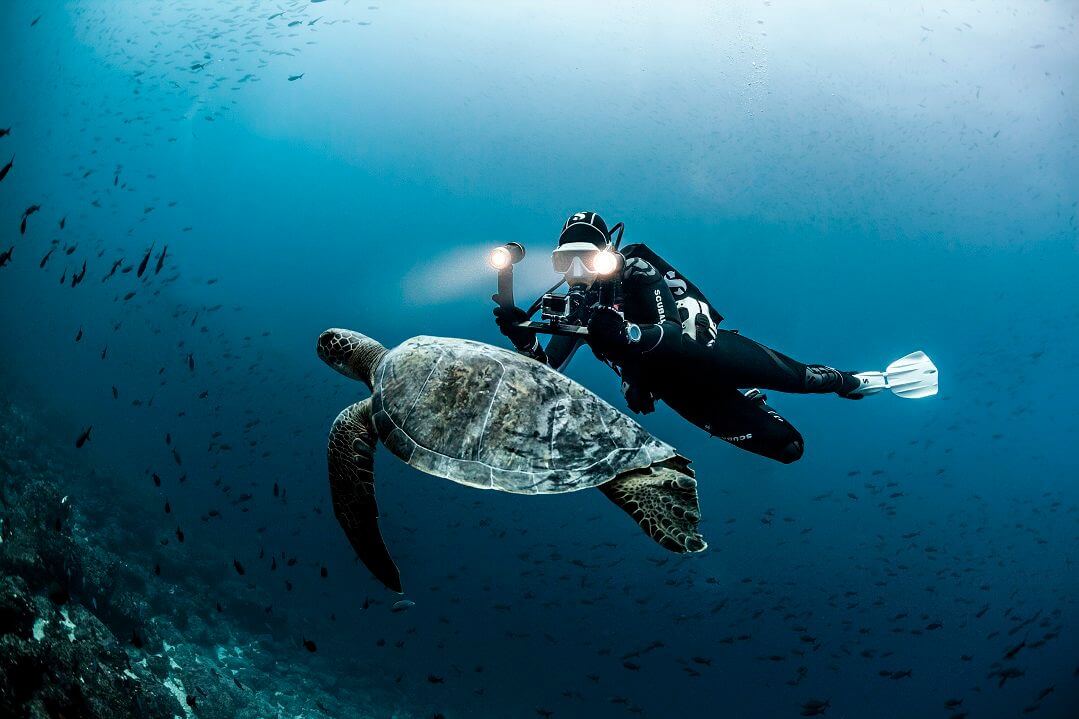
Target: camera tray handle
[545,328]
[504,298]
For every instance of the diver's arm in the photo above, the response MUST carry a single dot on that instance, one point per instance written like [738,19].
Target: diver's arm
[661,338]
[559,350]
[647,303]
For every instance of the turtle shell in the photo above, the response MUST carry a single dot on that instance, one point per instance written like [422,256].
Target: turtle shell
[491,418]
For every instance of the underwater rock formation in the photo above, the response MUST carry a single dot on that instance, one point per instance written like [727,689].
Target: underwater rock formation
[88,630]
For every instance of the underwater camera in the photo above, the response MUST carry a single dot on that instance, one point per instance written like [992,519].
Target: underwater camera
[555,307]
[561,313]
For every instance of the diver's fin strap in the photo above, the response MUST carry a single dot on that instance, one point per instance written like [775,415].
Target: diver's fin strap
[663,501]
[350,455]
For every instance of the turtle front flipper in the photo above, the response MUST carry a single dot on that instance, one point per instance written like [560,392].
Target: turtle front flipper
[351,459]
[663,501]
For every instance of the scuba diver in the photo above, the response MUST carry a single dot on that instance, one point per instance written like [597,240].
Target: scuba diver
[659,332]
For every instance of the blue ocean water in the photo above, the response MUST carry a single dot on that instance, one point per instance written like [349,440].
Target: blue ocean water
[847,183]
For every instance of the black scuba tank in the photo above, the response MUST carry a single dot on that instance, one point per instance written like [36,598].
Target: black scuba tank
[698,316]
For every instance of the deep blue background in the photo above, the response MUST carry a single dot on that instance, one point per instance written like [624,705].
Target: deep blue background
[847,184]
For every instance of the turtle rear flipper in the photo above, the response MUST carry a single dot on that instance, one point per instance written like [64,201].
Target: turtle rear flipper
[663,501]
[351,459]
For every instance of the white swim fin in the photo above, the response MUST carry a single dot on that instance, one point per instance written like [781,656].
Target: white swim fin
[912,377]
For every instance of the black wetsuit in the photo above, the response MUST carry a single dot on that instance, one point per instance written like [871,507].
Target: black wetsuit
[684,359]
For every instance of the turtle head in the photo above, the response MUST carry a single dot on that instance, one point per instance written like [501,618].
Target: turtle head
[354,355]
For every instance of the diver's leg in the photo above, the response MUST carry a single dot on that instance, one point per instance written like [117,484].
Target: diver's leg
[742,362]
[746,421]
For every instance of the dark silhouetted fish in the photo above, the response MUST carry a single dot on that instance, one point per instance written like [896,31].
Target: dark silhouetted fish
[26,215]
[815,707]
[115,266]
[145,261]
[83,438]
[78,276]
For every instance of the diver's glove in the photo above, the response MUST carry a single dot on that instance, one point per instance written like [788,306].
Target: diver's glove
[638,399]
[508,319]
[608,335]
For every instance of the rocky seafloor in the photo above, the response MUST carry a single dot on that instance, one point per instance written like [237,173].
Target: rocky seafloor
[89,629]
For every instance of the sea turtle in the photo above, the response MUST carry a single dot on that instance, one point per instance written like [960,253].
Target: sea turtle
[493,419]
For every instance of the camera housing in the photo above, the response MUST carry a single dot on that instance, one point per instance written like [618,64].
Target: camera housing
[566,309]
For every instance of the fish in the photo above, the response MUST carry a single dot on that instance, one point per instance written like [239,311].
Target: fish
[45,259]
[78,335]
[77,277]
[6,256]
[402,605]
[115,266]
[161,260]
[145,261]
[815,707]
[238,567]
[1015,650]
[83,438]
[7,168]
[309,645]
[5,131]
[1005,674]
[294,78]
[26,215]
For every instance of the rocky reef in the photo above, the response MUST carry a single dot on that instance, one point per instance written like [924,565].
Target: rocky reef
[89,627]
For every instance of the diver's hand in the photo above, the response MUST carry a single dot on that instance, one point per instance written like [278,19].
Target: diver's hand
[607,333]
[638,399]
[508,319]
